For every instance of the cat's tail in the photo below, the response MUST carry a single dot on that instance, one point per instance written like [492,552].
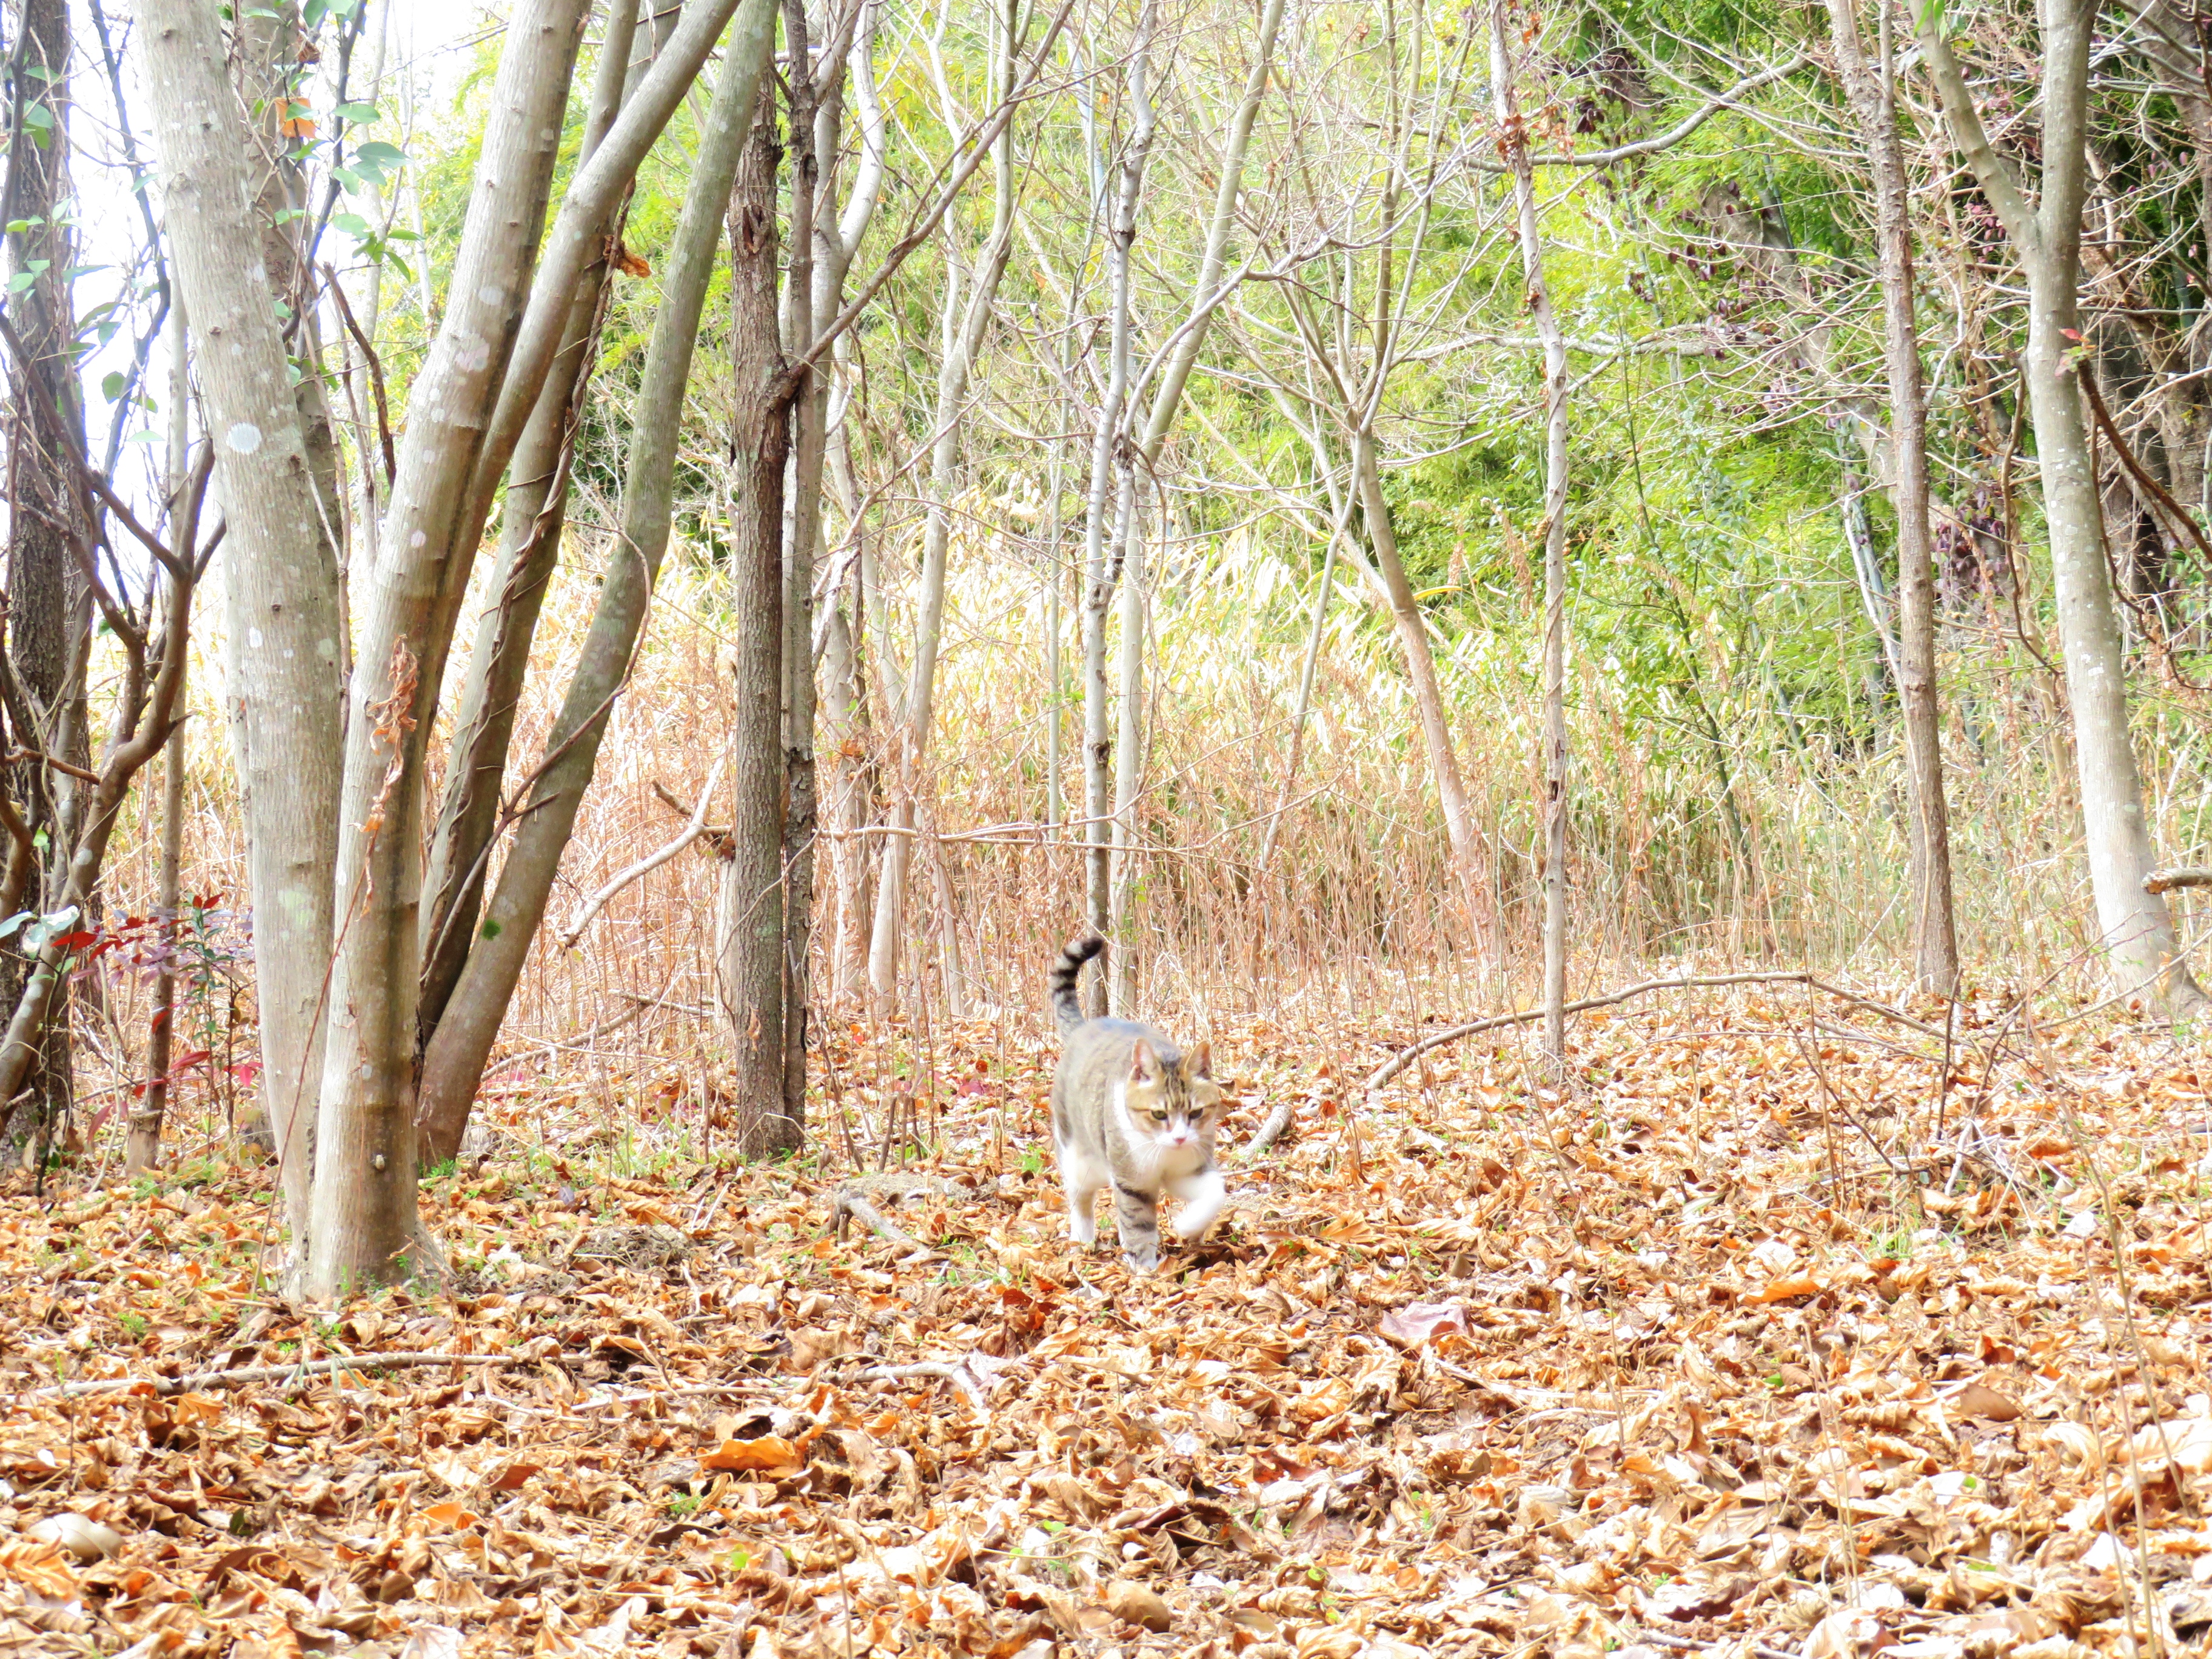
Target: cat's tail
[1065,972]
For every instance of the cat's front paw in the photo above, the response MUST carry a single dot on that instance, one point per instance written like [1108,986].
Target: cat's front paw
[1147,1262]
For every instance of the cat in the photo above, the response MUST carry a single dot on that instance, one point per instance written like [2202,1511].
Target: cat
[1131,1110]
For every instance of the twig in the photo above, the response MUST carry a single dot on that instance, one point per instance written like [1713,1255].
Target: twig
[2181,875]
[246,1374]
[1277,1121]
[856,1205]
[958,1375]
[646,866]
[1406,1057]
[1684,1644]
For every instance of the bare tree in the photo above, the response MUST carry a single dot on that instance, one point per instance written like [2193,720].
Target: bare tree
[1514,133]
[2137,927]
[1112,475]
[48,612]
[749,926]
[966,323]
[1872,93]
[545,815]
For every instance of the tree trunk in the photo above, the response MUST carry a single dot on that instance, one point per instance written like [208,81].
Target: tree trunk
[749,927]
[454,1063]
[47,613]
[1467,849]
[1128,755]
[1108,466]
[2137,928]
[963,341]
[800,808]
[1555,541]
[142,1148]
[835,245]
[368,1230]
[534,520]
[1207,296]
[1935,938]
[283,594]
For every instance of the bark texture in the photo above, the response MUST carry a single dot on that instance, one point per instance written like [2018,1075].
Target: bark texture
[750,926]
[283,688]
[1934,934]
[367,1228]
[454,1062]
[2137,929]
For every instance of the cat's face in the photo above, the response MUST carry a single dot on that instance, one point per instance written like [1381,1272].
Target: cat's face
[1169,1104]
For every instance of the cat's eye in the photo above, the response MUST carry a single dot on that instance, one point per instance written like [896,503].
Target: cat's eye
[1158,1117]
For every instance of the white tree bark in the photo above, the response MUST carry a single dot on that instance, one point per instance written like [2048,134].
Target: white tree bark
[281,587]
[1110,475]
[1515,138]
[367,1228]
[965,327]
[2137,928]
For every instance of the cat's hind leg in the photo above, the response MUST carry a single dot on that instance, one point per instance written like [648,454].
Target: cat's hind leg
[1138,1215]
[1080,1178]
[1203,1194]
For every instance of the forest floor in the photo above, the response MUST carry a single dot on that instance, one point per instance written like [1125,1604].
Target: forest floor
[1775,1336]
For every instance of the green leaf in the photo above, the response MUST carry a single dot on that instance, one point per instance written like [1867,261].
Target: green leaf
[37,117]
[20,281]
[285,215]
[383,154]
[361,114]
[112,385]
[353,224]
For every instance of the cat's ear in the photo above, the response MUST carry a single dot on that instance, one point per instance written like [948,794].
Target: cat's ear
[1144,1064]
[1199,1062]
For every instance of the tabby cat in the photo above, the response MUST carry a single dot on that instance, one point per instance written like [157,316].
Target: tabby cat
[1131,1108]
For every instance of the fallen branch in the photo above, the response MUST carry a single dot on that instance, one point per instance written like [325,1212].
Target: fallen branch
[957,1375]
[2181,875]
[248,1374]
[855,1205]
[1406,1057]
[1277,1121]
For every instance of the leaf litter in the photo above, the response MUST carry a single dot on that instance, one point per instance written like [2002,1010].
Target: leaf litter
[1765,1335]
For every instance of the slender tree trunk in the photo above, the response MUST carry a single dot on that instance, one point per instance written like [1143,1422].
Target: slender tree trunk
[283,592]
[47,614]
[454,1063]
[1466,840]
[2137,927]
[749,928]
[1935,949]
[963,342]
[1555,538]
[533,523]
[836,244]
[1207,296]
[1108,468]
[1128,752]
[1054,807]
[800,807]
[142,1148]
